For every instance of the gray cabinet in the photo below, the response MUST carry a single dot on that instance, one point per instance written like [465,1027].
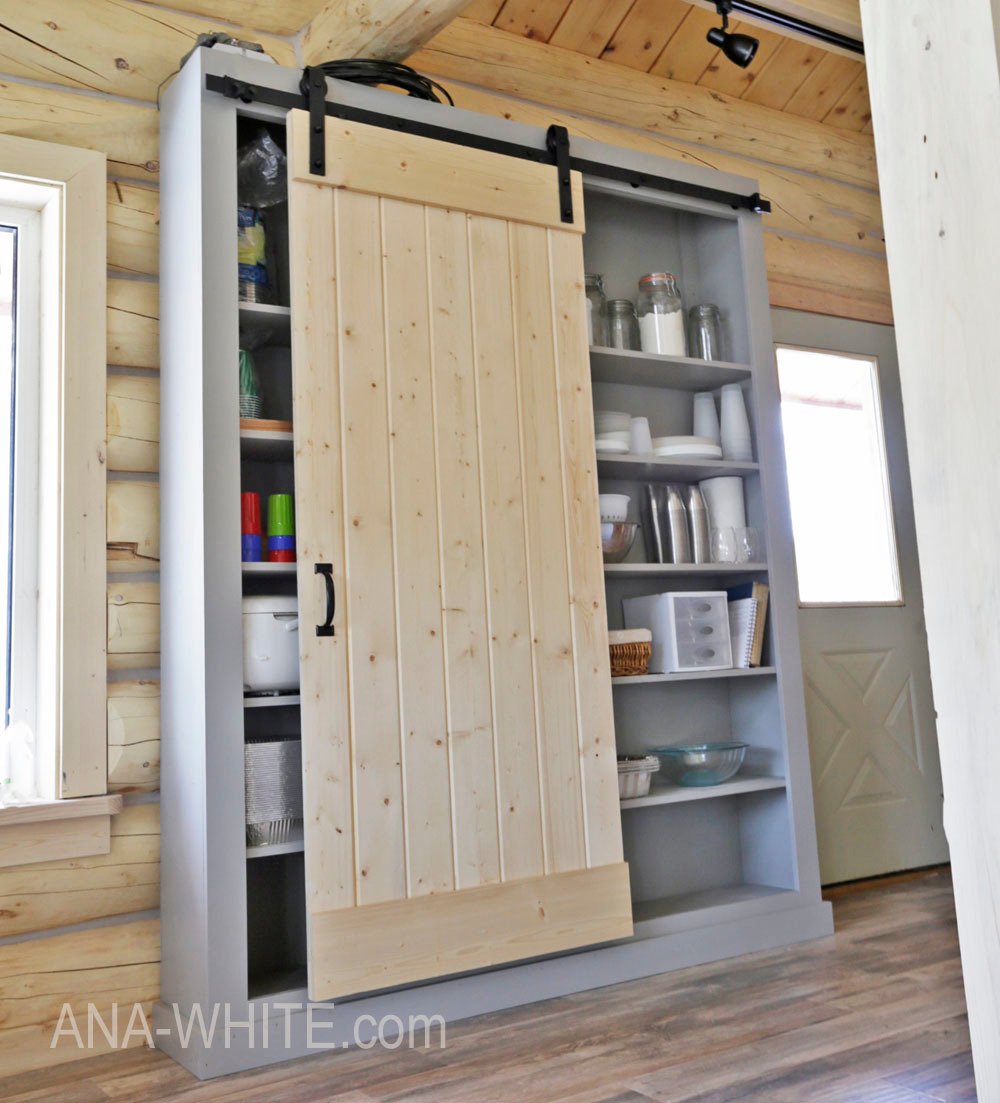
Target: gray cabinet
[713,873]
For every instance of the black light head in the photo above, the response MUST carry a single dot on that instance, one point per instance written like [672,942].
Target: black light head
[739,48]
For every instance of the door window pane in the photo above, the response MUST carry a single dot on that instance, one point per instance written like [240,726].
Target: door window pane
[845,543]
[8,262]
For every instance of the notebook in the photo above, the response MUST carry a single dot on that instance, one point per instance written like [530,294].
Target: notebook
[742,625]
[747,619]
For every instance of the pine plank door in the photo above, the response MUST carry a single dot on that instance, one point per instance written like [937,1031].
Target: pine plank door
[461,797]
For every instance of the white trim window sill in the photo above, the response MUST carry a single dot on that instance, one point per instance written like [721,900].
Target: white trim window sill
[51,830]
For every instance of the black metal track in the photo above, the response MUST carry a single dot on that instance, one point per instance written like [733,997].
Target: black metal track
[254,93]
[790,23]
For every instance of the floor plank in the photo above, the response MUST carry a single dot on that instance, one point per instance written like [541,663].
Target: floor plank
[875,1014]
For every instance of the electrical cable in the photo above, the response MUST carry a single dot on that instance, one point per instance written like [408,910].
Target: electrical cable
[371,71]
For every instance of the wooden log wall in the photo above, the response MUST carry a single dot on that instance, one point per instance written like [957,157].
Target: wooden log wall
[86,73]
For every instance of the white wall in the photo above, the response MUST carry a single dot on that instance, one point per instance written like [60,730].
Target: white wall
[935,92]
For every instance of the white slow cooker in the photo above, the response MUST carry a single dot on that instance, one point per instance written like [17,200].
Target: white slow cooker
[270,643]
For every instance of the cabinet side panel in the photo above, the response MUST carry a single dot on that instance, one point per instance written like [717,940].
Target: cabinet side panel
[602,813]
[463,566]
[518,787]
[326,734]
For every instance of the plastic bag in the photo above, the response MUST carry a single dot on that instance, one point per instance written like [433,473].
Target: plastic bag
[261,173]
[251,251]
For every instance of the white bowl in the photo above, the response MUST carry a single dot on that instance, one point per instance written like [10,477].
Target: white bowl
[612,421]
[614,446]
[689,442]
[614,507]
[690,452]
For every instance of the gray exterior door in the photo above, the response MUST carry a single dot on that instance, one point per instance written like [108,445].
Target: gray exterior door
[870,709]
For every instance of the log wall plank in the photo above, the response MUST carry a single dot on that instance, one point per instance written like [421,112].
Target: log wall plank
[285,17]
[827,279]
[119,47]
[133,228]
[53,894]
[133,736]
[101,966]
[133,625]
[133,526]
[133,323]
[127,132]
[133,413]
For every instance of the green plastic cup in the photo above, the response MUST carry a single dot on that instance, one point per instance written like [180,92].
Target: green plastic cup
[280,515]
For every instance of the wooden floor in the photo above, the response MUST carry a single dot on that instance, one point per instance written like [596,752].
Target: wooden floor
[874,1015]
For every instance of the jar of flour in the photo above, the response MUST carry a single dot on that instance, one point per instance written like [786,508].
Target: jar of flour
[661,315]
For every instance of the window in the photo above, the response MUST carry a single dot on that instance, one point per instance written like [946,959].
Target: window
[20,257]
[838,482]
[53,667]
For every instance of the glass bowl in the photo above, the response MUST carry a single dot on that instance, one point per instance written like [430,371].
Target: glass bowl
[617,538]
[693,764]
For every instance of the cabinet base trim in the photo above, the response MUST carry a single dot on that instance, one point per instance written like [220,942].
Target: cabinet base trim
[335,1027]
[399,942]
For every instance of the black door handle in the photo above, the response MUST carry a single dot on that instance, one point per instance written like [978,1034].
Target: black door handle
[326,628]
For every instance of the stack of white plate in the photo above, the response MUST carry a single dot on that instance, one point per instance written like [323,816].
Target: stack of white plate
[687,448]
[613,430]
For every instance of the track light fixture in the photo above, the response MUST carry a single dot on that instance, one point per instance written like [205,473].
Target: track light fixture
[739,48]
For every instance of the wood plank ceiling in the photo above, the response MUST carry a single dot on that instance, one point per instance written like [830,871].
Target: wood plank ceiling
[663,37]
[667,38]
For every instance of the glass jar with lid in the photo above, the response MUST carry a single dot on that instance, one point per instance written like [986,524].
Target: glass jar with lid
[623,333]
[706,332]
[661,315]
[597,322]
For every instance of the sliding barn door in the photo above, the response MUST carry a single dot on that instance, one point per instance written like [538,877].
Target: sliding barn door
[461,795]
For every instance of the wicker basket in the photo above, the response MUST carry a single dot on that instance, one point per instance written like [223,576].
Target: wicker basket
[630,652]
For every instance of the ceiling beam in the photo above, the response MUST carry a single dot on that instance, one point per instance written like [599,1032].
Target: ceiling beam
[390,30]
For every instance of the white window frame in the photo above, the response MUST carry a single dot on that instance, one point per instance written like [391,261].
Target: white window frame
[67,186]
[872,359]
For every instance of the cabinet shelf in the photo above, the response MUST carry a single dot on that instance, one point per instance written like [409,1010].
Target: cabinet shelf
[695,676]
[272,322]
[655,469]
[679,794]
[264,444]
[656,916]
[646,369]
[293,846]
[683,570]
[271,702]
[282,570]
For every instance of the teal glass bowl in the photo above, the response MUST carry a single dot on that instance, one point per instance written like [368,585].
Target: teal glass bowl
[694,764]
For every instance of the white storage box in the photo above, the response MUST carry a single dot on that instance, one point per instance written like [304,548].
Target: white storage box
[270,643]
[690,630]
